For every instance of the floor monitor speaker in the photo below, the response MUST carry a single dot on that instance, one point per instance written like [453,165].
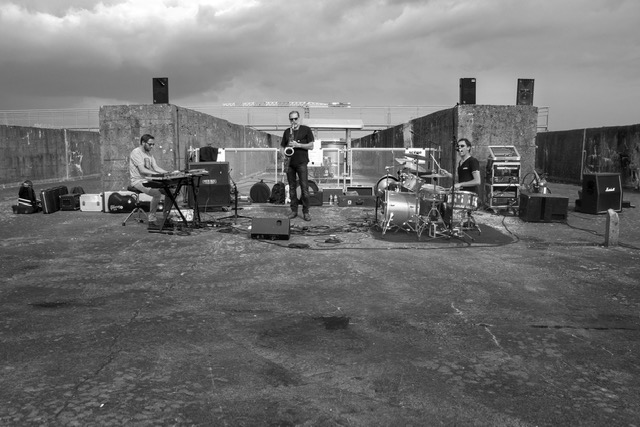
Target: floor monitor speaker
[160,90]
[467,91]
[215,189]
[525,92]
[538,207]
[601,192]
[270,228]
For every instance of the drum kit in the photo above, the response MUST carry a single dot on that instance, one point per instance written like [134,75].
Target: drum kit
[409,203]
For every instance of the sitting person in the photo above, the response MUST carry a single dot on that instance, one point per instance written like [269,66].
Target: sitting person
[142,165]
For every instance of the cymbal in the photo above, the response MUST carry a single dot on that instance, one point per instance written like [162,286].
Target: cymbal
[414,168]
[415,156]
[403,160]
[432,175]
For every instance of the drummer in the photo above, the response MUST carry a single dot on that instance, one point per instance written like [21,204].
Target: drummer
[468,168]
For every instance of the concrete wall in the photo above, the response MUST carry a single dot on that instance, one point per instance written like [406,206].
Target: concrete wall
[483,125]
[47,155]
[565,155]
[175,130]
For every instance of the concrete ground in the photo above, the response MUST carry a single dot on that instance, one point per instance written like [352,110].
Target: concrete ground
[530,324]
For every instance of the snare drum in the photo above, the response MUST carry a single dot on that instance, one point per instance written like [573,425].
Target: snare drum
[385,183]
[412,182]
[399,208]
[463,200]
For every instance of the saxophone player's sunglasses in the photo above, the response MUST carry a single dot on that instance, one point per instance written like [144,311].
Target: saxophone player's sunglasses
[293,118]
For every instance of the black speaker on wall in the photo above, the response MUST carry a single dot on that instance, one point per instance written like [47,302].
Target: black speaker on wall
[215,189]
[467,91]
[525,92]
[600,192]
[160,90]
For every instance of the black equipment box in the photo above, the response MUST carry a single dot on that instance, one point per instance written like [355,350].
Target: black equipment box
[50,198]
[538,207]
[270,228]
[361,190]
[357,201]
[70,202]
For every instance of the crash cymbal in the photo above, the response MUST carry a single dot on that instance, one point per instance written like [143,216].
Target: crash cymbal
[415,156]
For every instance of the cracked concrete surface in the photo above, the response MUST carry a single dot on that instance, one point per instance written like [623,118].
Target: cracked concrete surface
[536,324]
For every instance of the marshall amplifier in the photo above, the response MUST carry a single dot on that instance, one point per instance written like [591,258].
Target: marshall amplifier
[600,192]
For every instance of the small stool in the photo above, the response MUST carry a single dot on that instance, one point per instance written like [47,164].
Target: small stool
[137,213]
[467,221]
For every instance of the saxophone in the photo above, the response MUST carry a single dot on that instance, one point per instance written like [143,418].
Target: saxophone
[288,151]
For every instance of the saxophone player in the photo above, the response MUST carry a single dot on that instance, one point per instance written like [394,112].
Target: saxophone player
[297,140]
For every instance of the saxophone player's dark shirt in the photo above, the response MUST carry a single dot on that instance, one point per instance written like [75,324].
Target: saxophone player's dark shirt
[302,135]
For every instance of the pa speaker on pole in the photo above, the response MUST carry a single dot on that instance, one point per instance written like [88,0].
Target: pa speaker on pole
[467,91]
[525,92]
[160,90]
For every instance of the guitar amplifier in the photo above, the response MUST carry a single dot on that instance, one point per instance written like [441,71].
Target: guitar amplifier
[600,192]
[215,188]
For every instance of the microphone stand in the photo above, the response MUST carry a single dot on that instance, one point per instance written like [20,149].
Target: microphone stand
[235,215]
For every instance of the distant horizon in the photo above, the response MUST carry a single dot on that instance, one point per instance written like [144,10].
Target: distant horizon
[353,107]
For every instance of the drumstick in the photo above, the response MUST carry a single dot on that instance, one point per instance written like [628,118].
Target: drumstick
[435,161]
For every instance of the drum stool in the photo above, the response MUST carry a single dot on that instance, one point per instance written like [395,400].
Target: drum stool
[467,221]
[137,213]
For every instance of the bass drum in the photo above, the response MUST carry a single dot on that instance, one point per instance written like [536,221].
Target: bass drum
[399,208]
[387,182]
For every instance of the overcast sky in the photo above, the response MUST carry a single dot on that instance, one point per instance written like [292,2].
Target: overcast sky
[583,54]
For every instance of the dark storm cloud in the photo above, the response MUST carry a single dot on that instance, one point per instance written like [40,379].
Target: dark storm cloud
[582,53]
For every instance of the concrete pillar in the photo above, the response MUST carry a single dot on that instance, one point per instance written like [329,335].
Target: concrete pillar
[612,232]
